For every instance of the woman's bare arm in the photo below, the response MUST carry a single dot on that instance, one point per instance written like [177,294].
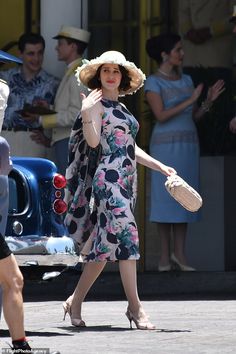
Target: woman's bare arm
[144,159]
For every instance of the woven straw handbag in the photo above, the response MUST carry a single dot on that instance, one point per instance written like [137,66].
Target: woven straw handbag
[183,193]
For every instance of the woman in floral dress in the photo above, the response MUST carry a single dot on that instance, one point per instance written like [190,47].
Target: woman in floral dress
[102,197]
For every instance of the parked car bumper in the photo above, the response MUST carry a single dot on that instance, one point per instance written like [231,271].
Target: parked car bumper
[31,250]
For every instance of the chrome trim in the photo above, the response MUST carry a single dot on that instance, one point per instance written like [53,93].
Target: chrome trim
[34,244]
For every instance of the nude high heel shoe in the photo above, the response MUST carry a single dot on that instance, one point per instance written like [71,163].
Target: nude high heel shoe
[141,323]
[77,322]
[165,268]
[181,266]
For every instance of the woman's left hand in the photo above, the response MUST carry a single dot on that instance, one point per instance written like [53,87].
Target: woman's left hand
[215,90]
[167,170]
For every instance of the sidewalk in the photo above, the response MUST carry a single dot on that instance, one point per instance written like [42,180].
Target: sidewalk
[151,285]
[183,327]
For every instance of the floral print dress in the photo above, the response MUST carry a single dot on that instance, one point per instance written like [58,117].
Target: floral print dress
[113,234]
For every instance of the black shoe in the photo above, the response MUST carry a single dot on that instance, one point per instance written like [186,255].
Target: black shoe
[22,347]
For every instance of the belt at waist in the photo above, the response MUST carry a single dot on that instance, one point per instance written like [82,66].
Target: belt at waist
[20,129]
[184,136]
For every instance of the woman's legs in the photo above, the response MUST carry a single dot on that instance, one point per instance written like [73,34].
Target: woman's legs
[128,273]
[179,233]
[135,311]
[90,273]
[164,231]
[129,280]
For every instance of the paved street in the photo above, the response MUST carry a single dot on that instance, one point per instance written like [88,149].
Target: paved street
[183,326]
[194,314]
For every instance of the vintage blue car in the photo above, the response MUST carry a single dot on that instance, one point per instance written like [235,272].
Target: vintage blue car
[35,230]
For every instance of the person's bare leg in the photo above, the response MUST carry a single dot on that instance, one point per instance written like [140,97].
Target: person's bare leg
[128,273]
[12,284]
[135,312]
[90,273]
[179,233]
[4,200]
[164,231]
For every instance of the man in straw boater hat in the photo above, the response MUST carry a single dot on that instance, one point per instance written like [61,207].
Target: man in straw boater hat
[109,231]
[72,42]
[11,278]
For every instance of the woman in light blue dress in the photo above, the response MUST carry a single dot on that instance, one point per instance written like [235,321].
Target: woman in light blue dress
[172,99]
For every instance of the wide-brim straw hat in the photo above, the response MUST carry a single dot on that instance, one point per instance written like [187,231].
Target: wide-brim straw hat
[6,57]
[88,70]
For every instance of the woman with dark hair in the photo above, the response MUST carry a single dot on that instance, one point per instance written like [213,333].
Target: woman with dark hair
[104,226]
[173,101]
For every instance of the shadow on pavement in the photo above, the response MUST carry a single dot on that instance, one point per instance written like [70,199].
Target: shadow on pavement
[5,333]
